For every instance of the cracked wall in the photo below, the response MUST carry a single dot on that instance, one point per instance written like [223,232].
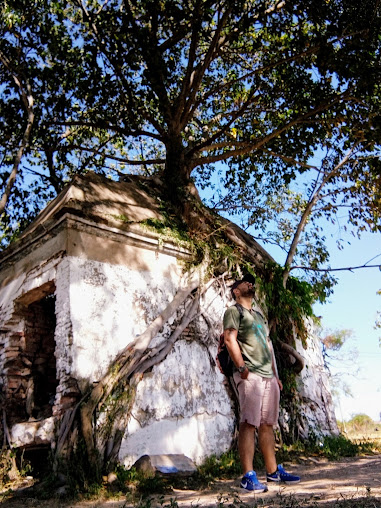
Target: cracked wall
[106,293]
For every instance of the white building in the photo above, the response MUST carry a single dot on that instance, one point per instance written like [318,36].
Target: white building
[82,282]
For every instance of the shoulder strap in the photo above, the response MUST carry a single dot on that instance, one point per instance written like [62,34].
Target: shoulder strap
[240,310]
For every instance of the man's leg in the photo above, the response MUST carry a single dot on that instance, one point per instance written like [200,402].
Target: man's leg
[267,446]
[246,446]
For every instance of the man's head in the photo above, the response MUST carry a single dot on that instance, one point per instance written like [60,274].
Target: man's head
[244,287]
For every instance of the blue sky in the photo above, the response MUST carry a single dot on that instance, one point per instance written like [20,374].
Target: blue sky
[354,306]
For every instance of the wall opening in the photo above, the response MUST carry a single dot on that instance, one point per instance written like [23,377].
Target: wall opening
[30,376]
[40,324]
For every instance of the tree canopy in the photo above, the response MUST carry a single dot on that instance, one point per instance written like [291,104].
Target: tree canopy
[234,96]
[175,88]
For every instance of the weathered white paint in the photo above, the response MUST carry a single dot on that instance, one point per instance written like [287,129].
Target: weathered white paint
[110,306]
[111,280]
[181,407]
[314,388]
[197,437]
[33,433]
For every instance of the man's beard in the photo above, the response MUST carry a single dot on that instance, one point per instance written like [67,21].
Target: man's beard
[249,292]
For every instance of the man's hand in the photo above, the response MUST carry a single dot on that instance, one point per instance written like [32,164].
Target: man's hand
[279,384]
[245,374]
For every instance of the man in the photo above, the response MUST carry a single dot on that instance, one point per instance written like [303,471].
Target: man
[256,377]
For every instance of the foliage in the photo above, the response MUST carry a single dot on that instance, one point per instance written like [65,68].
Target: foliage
[335,447]
[172,88]
[287,306]
[377,324]
[334,341]
[8,470]
[338,360]
[331,447]
[225,466]
[360,421]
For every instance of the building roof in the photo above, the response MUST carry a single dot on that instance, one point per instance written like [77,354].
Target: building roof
[121,205]
[95,197]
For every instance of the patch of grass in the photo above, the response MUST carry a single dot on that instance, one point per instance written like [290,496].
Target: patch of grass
[141,483]
[225,466]
[330,447]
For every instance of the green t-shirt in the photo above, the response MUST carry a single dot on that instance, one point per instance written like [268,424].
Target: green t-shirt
[252,339]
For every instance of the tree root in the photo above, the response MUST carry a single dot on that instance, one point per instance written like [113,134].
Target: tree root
[128,367]
[298,365]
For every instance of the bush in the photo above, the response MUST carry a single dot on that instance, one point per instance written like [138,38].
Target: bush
[360,422]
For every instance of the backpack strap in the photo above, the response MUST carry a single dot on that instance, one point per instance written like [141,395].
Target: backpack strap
[240,310]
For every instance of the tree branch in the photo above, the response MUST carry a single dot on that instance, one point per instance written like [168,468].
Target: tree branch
[127,361]
[201,69]
[113,157]
[308,210]
[103,125]
[27,99]
[348,268]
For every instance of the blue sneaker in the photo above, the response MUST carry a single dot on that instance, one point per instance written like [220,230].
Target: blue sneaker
[280,475]
[250,482]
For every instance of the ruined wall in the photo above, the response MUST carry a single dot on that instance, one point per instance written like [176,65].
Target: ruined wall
[314,389]
[107,287]
[28,321]
[99,308]
[182,405]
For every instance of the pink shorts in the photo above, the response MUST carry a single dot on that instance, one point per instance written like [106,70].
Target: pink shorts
[258,399]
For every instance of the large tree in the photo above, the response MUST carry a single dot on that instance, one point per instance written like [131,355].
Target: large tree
[173,87]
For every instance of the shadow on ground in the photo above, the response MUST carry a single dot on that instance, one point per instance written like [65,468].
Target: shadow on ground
[348,483]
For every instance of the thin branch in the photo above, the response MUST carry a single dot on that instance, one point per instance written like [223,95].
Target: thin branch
[188,316]
[27,99]
[290,160]
[103,126]
[102,7]
[125,93]
[187,81]
[201,69]
[114,157]
[348,268]
[270,66]
[248,147]
[155,65]
[308,210]
[233,116]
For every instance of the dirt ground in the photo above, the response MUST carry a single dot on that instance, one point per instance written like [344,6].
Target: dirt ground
[354,482]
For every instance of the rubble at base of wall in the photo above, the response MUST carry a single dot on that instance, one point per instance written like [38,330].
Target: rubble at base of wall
[33,433]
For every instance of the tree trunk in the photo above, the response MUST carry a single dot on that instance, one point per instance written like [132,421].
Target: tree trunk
[176,175]
[121,380]
[26,95]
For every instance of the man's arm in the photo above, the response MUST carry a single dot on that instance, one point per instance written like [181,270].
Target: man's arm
[230,338]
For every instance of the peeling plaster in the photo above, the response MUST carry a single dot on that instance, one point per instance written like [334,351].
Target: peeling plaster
[107,317]
[182,405]
[197,437]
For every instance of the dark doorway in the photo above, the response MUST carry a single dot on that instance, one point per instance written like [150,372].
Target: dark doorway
[40,324]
